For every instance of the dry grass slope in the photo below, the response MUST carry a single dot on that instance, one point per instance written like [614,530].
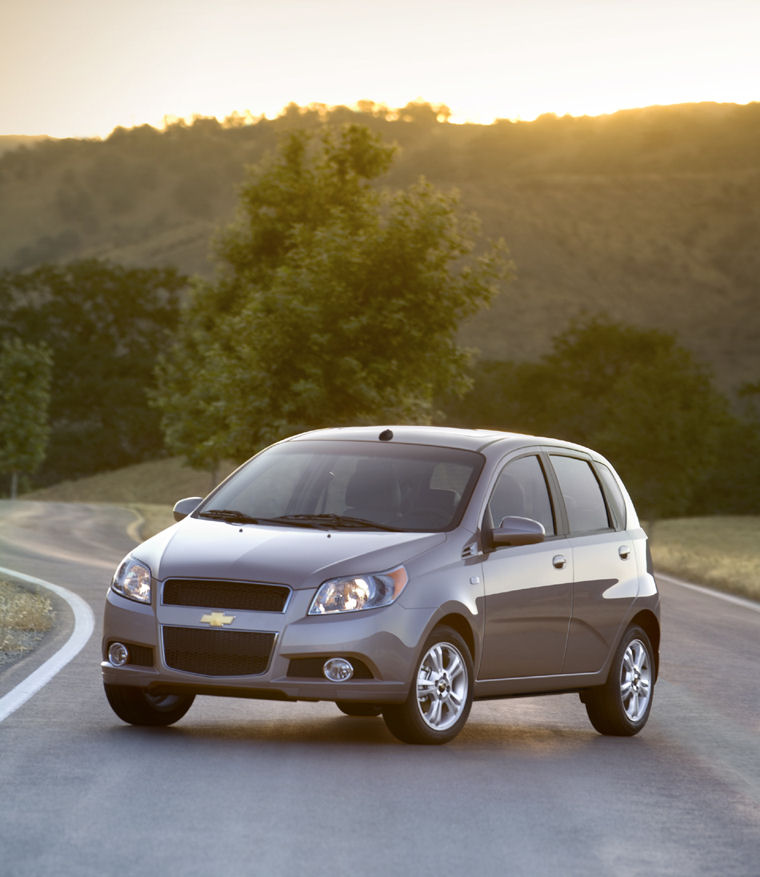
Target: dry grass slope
[24,618]
[722,553]
[150,489]
[160,482]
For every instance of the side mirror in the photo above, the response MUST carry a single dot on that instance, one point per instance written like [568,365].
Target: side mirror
[186,507]
[517,531]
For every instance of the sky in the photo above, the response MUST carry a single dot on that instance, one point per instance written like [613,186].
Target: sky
[80,68]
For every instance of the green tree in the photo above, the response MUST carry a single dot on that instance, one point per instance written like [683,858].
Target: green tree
[335,303]
[104,325]
[733,484]
[25,371]
[633,394]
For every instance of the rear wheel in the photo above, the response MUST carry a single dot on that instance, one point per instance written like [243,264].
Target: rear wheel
[358,709]
[622,705]
[441,695]
[137,707]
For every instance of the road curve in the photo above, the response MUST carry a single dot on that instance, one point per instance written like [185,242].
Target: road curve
[247,787]
[84,624]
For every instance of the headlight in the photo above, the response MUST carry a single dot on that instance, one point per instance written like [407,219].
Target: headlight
[132,580]
[359,592]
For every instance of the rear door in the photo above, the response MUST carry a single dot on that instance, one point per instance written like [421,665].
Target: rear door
[604,563]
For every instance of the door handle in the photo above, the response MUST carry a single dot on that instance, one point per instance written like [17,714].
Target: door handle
[559,560]
[624,551]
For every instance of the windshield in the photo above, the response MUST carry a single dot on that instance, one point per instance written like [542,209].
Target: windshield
[344,484]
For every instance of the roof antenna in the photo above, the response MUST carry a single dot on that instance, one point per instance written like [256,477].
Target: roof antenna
[386,435]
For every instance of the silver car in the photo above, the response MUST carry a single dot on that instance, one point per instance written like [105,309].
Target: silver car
[401,571]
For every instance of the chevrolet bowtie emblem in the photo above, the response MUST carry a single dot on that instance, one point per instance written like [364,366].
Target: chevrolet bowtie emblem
[217,619]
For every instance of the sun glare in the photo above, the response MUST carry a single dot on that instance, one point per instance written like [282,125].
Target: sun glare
[483,60]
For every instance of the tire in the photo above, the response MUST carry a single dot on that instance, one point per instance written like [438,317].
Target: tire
[441,694]
[621,706]
[136,707]
[358,709]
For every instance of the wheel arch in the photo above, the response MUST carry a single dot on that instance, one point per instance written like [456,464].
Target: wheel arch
[649,623]
[460,624]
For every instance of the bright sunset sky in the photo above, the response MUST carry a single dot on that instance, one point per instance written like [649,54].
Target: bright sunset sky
[79,68]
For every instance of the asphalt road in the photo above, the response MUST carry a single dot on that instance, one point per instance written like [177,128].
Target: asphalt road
[262,788]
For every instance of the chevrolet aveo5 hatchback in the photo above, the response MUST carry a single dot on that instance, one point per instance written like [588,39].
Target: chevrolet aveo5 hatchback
[401,571]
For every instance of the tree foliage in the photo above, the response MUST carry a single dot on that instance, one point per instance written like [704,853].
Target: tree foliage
[25,372]
[103,325]
[663,203]
[335,303]
[633,394]
[732,486]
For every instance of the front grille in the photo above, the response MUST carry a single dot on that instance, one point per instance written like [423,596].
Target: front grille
[226,595]
[217,652]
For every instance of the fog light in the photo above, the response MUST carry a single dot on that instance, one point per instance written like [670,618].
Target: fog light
[338,669]
[118,654]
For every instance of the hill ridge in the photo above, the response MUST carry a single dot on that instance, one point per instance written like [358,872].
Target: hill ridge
[650,216]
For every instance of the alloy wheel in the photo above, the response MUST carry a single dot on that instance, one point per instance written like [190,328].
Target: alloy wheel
[635,680]
[442,686]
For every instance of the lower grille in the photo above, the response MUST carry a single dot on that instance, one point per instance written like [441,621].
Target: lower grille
[217,652]
[137,656]
[311,668]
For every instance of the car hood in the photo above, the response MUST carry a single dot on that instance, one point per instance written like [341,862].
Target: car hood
[295,556]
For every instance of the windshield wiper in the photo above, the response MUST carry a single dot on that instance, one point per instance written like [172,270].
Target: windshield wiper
[325,521]
[232,516]
[335,521]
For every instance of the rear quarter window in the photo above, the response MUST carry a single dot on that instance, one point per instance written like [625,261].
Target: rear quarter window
[614,496]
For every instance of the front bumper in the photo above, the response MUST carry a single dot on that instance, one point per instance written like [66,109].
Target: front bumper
[382,643]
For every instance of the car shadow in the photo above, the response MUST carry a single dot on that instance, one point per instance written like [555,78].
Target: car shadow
[346,733]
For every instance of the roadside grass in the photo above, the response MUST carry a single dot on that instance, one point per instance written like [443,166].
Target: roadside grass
[24,618]
[719,552]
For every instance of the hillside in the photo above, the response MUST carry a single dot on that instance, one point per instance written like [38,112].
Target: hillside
[651,216]
[157,482]
[9,142]
[150,489]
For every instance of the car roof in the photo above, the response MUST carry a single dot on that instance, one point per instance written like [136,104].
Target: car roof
[442,436]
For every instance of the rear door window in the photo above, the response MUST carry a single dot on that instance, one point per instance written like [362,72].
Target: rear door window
[584,501]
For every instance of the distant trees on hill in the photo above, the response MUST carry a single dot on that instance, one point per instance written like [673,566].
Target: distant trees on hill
[25,371]
[640,207]
[103,326]
[651,216]
[641,399]
[685,137]
[196,166]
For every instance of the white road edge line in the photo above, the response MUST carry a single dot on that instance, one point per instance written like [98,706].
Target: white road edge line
[84,624]
[721,595]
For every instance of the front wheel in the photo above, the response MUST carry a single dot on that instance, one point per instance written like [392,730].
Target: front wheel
[441,695]
[137,707]
[622,705]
